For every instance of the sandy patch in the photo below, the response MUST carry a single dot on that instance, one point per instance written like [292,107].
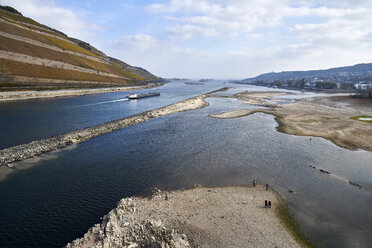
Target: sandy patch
[327,117]
[5,171]
[203,217]
[262,98]
[237,113]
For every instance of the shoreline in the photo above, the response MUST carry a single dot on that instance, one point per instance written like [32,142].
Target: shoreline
[38,147]
[331,118]
[231,216]
[7,96]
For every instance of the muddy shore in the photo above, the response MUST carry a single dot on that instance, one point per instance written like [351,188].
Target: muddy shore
[330,118]
[199,217]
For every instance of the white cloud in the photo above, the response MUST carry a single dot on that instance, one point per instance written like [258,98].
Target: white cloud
[224,38]
[168,60]
[49,13]
[136,43]
[185,6]
[255,35]
[207,18]
[212,18]
[280,34]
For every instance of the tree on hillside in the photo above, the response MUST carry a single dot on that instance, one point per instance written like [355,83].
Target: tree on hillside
[10,9]
[326,85]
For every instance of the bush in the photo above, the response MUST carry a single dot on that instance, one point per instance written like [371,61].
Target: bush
[326,85]
[10,9]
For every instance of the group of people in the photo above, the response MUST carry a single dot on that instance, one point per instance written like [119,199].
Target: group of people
[267,203]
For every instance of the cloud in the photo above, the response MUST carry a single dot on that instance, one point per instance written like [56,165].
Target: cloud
[136,43]
[213,18]
[219,38]
[253,36]
[49,13]
[168,60]
[188,6]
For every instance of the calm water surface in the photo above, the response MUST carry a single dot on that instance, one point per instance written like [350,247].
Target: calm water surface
[27,120]
[57,200]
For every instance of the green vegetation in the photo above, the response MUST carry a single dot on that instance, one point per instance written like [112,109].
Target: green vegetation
[300,84]
[284,214]
[128,71]
[4,13]
[49,88]
[39,71]
[10,9]
[49,31]
[36,28]
[41,52]
[11,29]
[364,94]
[297,84]
[326,85]
[133,75]
[69,46]
[358,118]
[11,85]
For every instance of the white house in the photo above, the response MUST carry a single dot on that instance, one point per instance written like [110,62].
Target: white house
[363,86]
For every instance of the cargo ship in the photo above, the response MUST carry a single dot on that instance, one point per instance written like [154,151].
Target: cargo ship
[142,95]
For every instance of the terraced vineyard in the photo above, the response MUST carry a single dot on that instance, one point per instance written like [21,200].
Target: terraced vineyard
[34,56]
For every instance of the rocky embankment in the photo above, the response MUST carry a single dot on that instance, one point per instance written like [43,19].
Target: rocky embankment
[38,147]
[31,94]
[199,217]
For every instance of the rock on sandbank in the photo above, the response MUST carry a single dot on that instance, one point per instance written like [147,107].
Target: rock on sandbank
[199,217]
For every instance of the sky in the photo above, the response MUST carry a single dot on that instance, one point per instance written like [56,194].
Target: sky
[215,38]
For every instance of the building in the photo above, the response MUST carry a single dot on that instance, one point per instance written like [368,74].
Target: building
[363,86]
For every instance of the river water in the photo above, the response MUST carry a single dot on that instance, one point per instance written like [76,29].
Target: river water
[65,193]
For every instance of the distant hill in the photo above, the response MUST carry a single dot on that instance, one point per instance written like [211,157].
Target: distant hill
[359,70]
[34,56]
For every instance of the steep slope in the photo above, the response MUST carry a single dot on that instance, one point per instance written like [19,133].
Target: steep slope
[34,56]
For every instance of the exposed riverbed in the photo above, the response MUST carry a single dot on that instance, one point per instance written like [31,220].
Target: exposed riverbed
[199,217]
[67,192]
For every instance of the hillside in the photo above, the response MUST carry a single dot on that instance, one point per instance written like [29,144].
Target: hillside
[356,71]
[34,56]
[347,75]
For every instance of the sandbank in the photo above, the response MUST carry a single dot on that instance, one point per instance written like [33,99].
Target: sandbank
[332,118]
[201,217]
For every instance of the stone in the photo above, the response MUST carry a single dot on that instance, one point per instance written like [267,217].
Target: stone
[133,245]
[157,223]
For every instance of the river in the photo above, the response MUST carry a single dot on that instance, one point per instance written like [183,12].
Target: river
[64,193]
